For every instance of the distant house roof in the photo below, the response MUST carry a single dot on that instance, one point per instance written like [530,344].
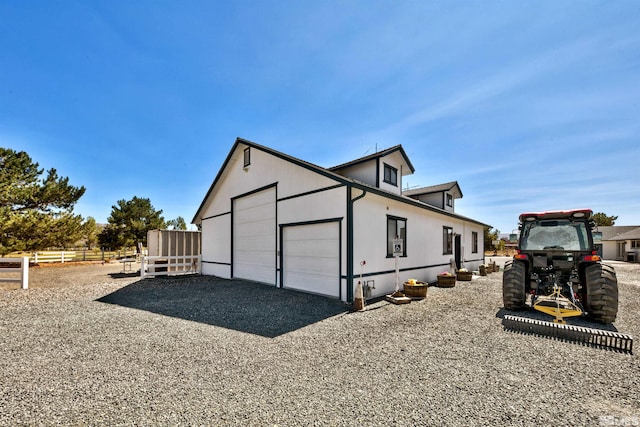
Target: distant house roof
[620,232]
[377,155]
[448,186]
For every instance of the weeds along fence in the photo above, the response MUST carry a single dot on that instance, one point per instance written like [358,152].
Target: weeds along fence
[43,257]
[15,270]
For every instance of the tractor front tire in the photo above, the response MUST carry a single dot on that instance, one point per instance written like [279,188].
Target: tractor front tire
[513,285]
[602,293]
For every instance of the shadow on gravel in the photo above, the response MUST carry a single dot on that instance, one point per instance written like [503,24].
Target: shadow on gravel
[234,304]
[576,321]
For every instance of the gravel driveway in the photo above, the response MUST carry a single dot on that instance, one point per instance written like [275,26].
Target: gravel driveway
[87,346]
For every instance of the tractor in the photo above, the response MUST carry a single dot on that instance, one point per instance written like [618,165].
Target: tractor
[557,270]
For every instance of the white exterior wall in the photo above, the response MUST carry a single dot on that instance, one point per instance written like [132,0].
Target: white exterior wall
[609,249]
[395,162]
[290,180]
[424,244]
[434,199]
[364,172]
[216,246]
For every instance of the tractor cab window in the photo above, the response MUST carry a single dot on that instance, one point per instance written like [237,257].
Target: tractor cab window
[561,235]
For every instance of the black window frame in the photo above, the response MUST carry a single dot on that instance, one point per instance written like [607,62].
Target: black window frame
[394,220]
[447,240]
[474,242]
[449,199]
[247,156]
[392,178]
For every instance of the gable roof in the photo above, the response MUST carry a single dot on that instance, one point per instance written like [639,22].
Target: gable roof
[327,173]
[447,186]
[377,155]
[629,235]
[619,232]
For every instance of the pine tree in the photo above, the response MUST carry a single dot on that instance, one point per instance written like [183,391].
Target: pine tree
[35,212]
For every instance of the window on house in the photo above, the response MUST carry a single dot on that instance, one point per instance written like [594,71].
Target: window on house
[635,244]
[447,240]
[449,200]
[474,242]
[247,156]
[396,229]
[390,175]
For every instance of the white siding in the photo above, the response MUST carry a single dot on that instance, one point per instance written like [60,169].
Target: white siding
[216,246]
[254,237]
[424,243]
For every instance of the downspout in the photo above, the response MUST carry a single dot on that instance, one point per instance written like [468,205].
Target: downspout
[350,203]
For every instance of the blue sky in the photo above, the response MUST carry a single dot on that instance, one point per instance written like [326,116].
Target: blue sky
[529,105]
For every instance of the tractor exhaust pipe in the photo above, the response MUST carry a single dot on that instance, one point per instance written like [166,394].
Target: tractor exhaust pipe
[591,337]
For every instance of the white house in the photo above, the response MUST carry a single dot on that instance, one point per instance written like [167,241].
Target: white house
[620,242]
[276,219]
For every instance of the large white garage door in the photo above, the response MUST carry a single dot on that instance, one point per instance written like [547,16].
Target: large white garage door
[311,259]
[254,237]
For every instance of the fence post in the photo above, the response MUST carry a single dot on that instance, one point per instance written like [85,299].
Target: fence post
[35,256]
[62,257]
[142,266]
[24,276]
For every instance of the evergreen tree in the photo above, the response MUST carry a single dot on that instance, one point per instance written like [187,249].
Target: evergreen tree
[602,219]
[35,213]
[177,224]
[129,222]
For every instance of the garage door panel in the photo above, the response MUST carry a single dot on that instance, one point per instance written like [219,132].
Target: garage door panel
[311,258]
[254,236]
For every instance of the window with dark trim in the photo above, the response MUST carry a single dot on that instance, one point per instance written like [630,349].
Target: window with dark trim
[447,240]
[247,156]
[396,229]
[390,175]
[449,200]
[474,242]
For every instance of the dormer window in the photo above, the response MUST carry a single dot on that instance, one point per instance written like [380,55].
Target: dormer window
[449,200]
[390,175]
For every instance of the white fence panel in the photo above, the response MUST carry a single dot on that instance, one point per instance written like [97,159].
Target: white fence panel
[23,270]
[152,266]
[61,256]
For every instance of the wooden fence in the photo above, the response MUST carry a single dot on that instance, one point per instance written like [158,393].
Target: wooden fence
[75,256]
[151,266]
[7,266]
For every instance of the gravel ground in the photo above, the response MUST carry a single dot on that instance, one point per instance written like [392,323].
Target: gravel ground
[87,346]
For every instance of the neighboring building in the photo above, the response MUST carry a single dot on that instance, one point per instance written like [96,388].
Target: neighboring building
[273,218]
[621,243]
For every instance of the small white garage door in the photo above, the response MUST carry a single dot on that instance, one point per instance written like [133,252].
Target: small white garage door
[254,237]
[311,260]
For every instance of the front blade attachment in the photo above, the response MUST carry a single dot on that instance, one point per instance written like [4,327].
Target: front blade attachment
[586,336]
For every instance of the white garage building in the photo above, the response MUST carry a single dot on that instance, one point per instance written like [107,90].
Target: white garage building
[272,218]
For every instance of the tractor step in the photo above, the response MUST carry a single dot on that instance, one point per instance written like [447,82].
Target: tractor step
[587,336]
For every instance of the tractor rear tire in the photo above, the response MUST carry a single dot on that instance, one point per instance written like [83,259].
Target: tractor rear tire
[513,285]
[602,293]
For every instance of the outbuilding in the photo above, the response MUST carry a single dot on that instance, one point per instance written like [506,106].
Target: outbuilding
[273,218]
